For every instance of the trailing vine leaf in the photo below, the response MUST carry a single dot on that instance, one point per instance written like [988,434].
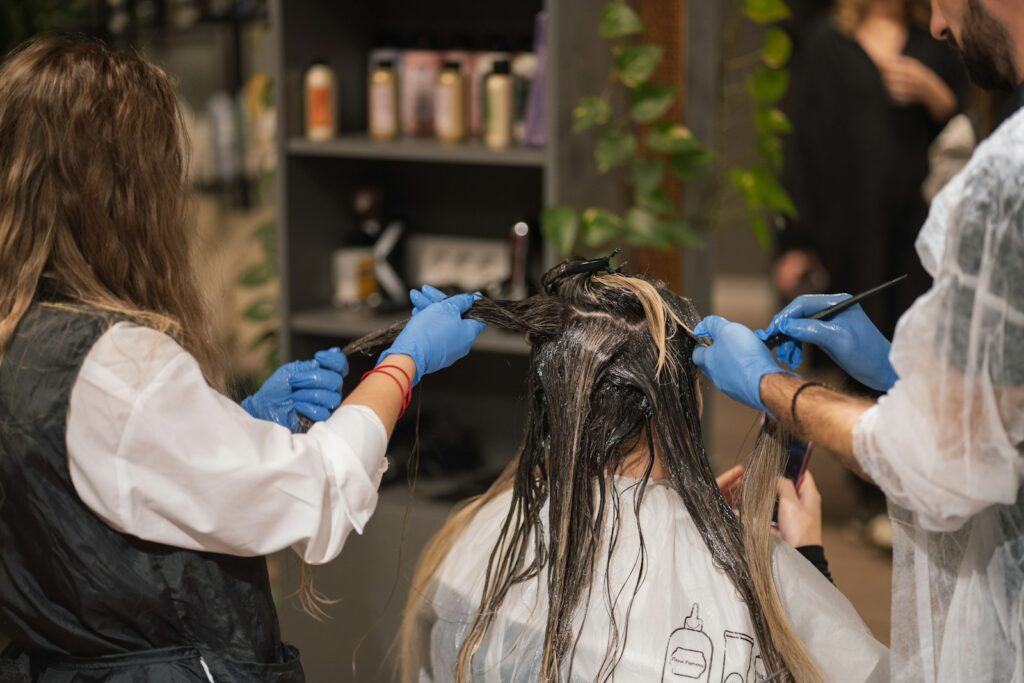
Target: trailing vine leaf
[650,101]
[672,138]
[266,235]
[258,275]
[589,112]
[642,228]
[681,232]
[768,86]
[689,163]
[767,11]
[636,63]
[614,147]
[266,338]
[770,149]
[600,226]
[761,231]
[647,174]
[657,202]
[560,225]
[260,310]
[772,121]
[618,20]
[778,48]
[771,193]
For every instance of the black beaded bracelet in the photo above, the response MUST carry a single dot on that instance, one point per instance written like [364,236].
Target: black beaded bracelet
[796,395]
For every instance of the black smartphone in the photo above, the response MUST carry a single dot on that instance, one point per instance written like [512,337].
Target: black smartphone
[798,456]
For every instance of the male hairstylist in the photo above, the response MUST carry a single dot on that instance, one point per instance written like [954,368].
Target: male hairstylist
[945,442]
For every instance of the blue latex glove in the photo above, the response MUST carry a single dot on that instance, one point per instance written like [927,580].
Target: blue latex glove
[423,297]
[850,339]
[437,335]
[311,388]
[736,360]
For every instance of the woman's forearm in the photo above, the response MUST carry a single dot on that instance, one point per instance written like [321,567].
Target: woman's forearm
[385,395]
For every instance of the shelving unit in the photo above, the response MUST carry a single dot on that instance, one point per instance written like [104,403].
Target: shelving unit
[361,146]
[441,189]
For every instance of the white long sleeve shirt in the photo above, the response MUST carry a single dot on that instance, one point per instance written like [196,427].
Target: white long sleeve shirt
[158,454]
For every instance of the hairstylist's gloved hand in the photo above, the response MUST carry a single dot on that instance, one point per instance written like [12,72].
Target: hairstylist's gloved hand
[437,335]
[850,339]
[423,297]
[311,388]
[736,360]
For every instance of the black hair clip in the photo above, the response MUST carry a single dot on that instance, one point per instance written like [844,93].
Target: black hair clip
[596,265]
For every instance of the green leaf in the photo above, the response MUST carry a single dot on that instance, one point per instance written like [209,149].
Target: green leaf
[647,174]
[761,231]
[689,163]
[772,121]
[600,227]
[649,101]
[260,310]
[642,229]
[589,112]
[614,147]
[266,235]
[767,11]
[260,274]
[560,225]
[265,338]
[772,194]
[778,48]
[636,63]
[672,138]
[618,20]
[761,190]
[768,86]
[681,232]
[770,148]
[657,202]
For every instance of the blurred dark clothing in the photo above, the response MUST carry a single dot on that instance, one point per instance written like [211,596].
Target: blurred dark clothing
[855,165]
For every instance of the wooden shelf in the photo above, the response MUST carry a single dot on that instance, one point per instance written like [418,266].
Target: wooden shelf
[422,150]
[352,324]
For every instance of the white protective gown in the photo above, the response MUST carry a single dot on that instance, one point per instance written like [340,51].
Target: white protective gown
[945,443]
[686,623]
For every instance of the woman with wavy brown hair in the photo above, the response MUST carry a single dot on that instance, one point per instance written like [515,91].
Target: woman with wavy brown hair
[136,500]
[606,550]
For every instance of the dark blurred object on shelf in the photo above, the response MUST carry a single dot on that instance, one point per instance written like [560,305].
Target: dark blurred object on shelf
[448,450]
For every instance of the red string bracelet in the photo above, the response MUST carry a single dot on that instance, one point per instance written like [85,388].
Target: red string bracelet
[407,395]
[406,374]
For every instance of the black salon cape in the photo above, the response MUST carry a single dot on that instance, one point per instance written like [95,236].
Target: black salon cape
[855,164]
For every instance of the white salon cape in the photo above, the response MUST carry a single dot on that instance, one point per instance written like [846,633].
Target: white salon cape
[945,444]
[685,623]
[158,454]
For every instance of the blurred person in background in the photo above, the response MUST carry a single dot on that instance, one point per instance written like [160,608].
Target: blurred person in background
[872,91]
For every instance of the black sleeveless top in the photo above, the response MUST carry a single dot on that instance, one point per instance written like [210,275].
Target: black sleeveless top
[83,602]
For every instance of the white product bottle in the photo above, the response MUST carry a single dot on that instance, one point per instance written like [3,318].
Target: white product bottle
[383,100]
[499,106]
[321,105]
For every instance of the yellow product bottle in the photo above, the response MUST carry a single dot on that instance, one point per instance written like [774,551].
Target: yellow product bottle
[450,104]
[382,100]
[499,106]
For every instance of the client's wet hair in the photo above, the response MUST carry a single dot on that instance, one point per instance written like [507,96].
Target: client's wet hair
[610,372]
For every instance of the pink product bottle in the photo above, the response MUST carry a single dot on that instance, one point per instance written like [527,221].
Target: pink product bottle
[420,69]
